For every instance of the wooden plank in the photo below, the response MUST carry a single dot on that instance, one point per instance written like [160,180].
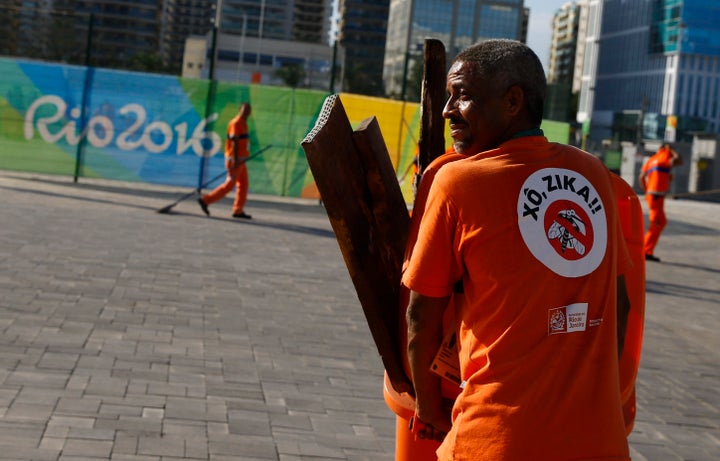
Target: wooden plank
[355,179]
[434,95]
[390,215]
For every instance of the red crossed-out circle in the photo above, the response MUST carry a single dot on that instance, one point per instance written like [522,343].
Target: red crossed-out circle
[574,227]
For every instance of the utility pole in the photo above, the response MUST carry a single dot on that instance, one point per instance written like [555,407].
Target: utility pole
[333,67]
[89,74]
[241,53]
[639,146]
[212,88]
[260,34]
[408,40]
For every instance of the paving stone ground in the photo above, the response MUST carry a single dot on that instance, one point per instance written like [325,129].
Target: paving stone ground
[126,334]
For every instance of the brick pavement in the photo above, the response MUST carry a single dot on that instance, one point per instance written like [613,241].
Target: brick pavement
[131,335]
[678,397]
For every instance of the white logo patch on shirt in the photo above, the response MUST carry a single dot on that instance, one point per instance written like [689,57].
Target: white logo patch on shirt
[562,221]
[567,319]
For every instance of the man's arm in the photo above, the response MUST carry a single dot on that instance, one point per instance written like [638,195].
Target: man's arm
[235,152]
[642,179]
[235,134]
[425,335]
[234,139]
[676,159]
[231,160]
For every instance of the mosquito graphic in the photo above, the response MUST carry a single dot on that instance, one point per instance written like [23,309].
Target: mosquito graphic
[559,231]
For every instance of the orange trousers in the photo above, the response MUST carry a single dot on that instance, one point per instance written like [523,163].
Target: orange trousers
[237,176]
[658,221]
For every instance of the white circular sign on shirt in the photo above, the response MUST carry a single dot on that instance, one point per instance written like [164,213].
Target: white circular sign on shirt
[562,221]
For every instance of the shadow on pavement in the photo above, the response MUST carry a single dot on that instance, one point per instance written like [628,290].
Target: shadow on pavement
[259,203]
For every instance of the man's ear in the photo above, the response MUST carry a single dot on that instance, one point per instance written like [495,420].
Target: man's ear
[514,100]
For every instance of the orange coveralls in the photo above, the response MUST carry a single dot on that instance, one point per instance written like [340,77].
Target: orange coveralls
[657,171]
[236,150]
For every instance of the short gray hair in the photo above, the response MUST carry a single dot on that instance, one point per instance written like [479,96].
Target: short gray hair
[507,63]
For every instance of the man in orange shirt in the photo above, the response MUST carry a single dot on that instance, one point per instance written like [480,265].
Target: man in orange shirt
[530,228]
[655,180]
[236,153]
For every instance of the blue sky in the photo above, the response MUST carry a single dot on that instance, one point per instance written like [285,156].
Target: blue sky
[539,29]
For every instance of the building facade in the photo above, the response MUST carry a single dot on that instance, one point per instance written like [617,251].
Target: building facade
[180,20]
[654,65]
[41,29]
[306,21]
[251,60]
[559,102]
[122,29]
[361,36]
[311,21]
[457,23]
[118,33]
[580,42]
[104,33]
[256,39]
[565,25]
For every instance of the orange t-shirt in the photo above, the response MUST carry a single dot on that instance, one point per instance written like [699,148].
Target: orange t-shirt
[237,132]
[531,229]
[450,390]
[632,224]
[657,171]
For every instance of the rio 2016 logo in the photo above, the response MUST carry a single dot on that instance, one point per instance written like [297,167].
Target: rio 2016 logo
[155,137]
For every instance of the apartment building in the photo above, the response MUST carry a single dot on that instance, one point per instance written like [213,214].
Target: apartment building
[565,26]
[457,23]
[361,36]
[659,61]
[565,48]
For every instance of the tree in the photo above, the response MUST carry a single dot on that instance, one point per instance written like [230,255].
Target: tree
[291,74]
[360,80]
[146,62]
[413,89]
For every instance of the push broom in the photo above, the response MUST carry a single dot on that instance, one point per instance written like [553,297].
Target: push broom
[166,209]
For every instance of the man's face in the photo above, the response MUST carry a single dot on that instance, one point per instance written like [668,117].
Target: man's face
[477,115]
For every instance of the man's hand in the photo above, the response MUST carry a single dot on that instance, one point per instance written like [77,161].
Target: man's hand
[425,334]
[431,425]
[676,158]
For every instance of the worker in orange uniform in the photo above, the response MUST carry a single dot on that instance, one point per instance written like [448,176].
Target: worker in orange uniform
[532,231]
[236,154]
[655,180]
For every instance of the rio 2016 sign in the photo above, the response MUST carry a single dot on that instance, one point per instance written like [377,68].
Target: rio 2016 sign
[155,137]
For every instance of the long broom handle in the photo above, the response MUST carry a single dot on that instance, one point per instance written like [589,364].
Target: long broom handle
[241,161]
[212,180]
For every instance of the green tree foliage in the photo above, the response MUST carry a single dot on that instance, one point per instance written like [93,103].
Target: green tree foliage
[359,80]
[413,90]
[291,74]
[146,62]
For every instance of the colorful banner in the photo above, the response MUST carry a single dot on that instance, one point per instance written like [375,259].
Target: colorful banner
[150,128]
[88,122]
